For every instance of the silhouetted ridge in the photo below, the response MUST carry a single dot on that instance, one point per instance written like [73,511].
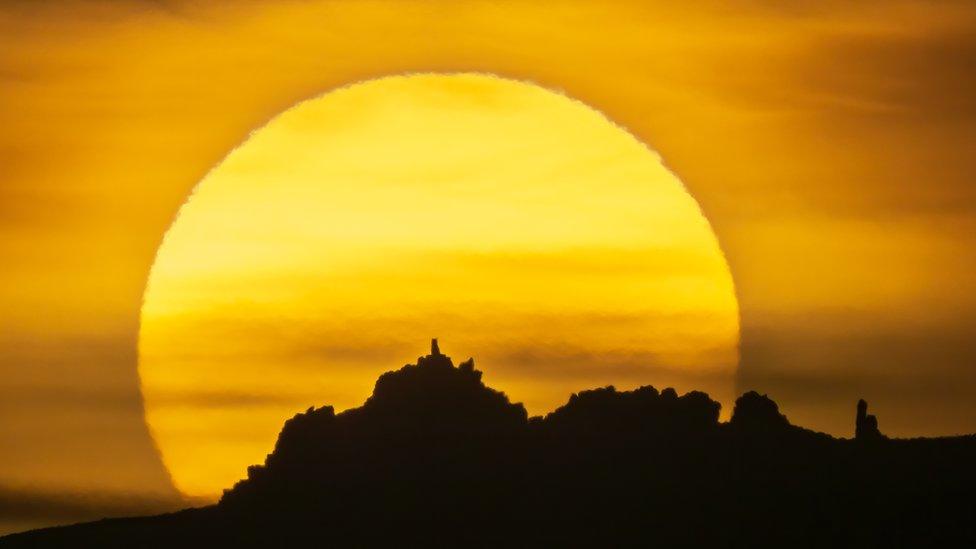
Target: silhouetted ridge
[607,412]
[434,458]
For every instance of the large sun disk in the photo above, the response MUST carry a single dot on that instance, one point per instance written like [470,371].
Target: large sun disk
[515,224]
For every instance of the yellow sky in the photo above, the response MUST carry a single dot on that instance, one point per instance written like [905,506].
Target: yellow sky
[829,145]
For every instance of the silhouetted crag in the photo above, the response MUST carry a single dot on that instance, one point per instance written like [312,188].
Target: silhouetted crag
[436,458]
[866,425]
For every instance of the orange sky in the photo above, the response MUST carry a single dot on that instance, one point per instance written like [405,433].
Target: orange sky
[830,146]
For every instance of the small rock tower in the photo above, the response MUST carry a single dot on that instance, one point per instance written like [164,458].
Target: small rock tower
[866,425]
[436,359]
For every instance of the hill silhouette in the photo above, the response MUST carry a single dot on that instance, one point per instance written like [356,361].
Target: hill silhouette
[436,458]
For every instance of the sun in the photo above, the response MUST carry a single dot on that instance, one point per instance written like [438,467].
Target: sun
[517,225]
